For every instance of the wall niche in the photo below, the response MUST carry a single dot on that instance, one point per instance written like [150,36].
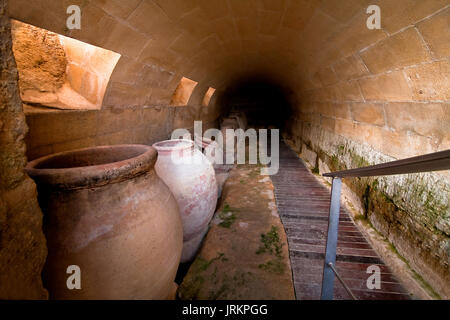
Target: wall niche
[60,72]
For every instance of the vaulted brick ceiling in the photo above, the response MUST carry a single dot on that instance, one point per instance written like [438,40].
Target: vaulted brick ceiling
[215,41]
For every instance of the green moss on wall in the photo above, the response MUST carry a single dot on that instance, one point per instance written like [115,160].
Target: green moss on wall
[409,209]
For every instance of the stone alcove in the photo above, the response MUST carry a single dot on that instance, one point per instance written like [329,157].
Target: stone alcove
[60,72]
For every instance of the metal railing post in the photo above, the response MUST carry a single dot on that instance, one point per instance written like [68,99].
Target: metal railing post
[429,162]
[330,252]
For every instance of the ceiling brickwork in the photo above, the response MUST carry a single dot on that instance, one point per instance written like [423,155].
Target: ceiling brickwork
[305,44]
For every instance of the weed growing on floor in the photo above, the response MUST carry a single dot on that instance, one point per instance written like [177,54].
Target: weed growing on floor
[271,243]
[274,266]
[315,170]
[204,264]
[227,216]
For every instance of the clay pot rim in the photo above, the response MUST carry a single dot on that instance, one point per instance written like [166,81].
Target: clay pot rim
[93,175]
[206,142]
[185,144]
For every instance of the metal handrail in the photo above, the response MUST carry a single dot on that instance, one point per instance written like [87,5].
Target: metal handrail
[430,162]
[342,281]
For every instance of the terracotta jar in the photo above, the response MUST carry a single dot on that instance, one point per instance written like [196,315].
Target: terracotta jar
[191,178]
[209,148]
[240,117]
[107,212]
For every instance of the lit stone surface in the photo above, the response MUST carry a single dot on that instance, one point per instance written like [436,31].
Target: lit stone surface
[23,249]
[231,263]
[336,69]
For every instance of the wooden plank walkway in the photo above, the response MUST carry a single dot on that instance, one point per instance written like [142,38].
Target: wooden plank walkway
[303,205]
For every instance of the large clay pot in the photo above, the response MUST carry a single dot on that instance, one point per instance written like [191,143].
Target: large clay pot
[107,211]
[190,177]
[210,148]
[229,147]
[240,117]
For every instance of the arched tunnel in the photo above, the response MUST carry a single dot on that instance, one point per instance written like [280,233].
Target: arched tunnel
[265,101]
[343,91]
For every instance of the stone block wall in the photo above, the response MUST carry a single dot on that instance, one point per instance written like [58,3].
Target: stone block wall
[135,109]
[60,72]
[386,99]
[89,69]
[53,131]
[22,243]
[364,96]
